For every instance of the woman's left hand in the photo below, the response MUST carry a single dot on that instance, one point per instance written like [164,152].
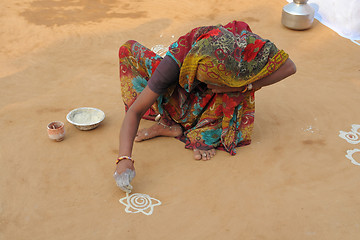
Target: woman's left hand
[225,89]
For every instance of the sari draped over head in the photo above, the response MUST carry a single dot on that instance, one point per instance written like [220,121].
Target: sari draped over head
[229,55]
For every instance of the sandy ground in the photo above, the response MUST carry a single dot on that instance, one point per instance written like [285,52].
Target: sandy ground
[292,182]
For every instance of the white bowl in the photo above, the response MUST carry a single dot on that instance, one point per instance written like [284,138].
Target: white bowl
[85,118]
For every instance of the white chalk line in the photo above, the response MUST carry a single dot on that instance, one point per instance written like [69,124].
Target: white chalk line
[349,155]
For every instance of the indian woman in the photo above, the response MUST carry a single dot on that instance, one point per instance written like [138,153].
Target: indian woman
[201,92]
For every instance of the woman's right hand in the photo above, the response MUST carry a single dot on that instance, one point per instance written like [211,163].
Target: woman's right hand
[124,174]
[125,170]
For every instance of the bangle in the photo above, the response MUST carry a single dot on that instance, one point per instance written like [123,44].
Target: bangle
[245,89]
[124,157]
[248,87]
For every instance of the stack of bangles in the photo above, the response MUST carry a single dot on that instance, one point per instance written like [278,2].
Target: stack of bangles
[123,158]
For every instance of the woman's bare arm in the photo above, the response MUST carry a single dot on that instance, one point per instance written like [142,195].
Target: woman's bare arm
[132,119]
[287,69]
[125,170]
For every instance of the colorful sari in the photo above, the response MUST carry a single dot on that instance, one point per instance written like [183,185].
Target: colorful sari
[229,55]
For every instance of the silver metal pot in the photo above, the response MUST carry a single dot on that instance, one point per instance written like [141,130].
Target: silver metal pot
[298,15]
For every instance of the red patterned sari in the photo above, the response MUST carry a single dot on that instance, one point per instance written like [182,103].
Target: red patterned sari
[229,55]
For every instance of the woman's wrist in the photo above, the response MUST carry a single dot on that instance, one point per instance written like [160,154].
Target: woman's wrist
[249,87]
[256,86]
[124,158]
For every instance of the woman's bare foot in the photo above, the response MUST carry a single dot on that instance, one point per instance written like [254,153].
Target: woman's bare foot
[158,129]
[204,154]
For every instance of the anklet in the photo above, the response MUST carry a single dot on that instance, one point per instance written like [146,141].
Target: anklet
[124,157]
[158,118]
[164,126]
[170,127]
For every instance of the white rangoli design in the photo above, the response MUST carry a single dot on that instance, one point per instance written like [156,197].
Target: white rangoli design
[138,202]
[160,50]
[353,136]
[356,128]
[349,155]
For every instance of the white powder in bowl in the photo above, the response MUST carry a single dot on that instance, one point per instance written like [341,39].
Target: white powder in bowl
[86,117]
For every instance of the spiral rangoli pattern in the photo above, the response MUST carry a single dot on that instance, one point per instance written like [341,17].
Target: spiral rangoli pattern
[138,202]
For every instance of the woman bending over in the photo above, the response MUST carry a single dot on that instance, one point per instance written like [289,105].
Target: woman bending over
[201,92]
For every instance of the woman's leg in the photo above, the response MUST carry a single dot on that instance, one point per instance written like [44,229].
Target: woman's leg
[137,64]
[220,121]
[211,121]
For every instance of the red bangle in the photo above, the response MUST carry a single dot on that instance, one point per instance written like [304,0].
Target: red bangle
[124,157]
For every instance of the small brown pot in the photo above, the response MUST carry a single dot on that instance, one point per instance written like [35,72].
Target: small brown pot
[56,131]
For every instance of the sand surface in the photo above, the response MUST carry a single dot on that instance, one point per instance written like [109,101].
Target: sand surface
[292,182]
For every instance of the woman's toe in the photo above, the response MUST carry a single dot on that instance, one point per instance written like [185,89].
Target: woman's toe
[205,155]
[212,152]
[197,154]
